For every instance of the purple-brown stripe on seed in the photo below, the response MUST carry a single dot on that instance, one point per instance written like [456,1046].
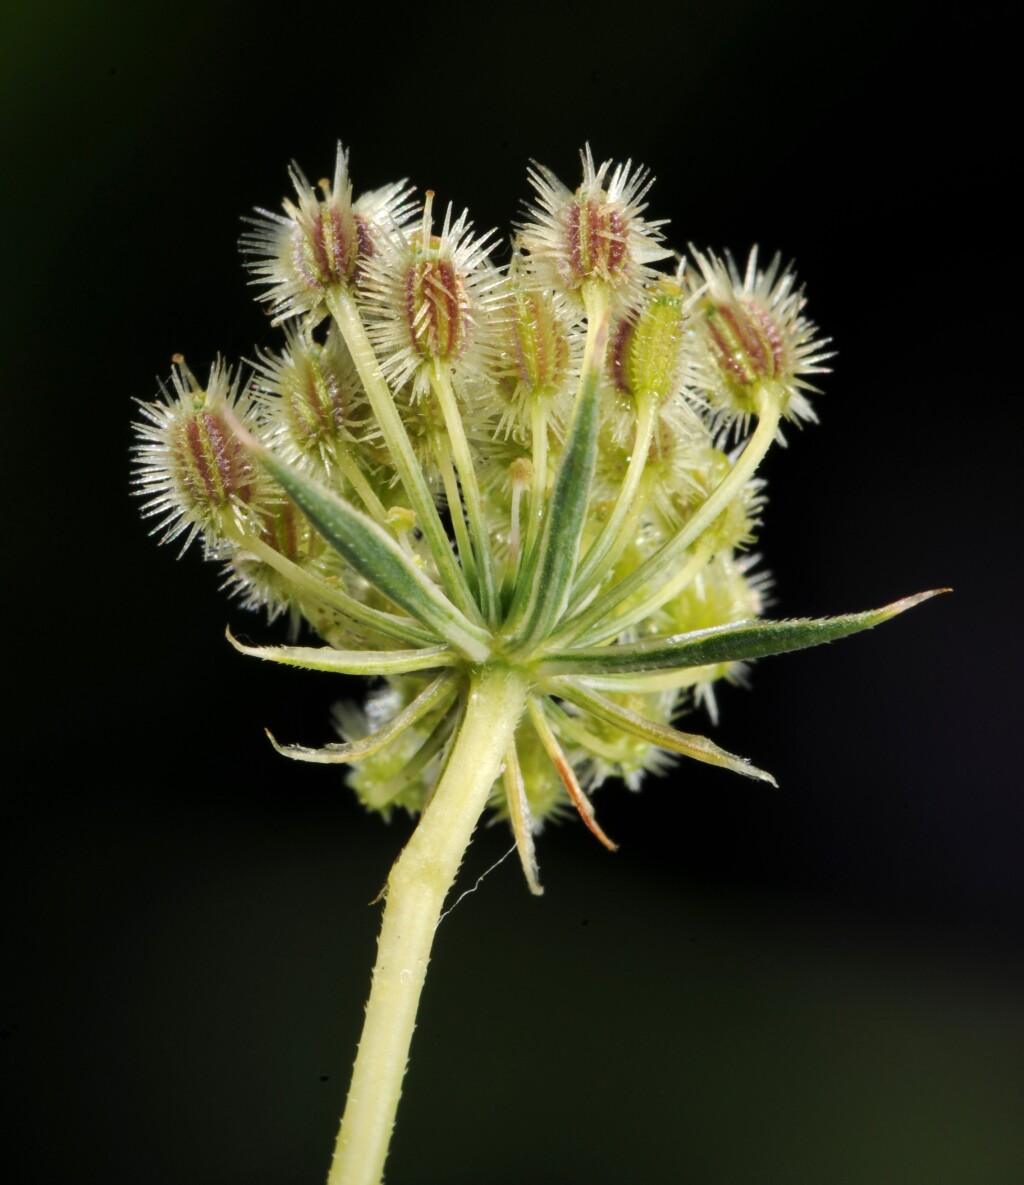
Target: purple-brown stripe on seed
[619,355]
[436,308]
[326,249]
[215,466]
[748,342]
[770,333]
[197,472]
[596,237]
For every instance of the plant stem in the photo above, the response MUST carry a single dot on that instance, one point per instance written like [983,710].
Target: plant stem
[668,557]
[346,315]
[441,382]
[388,624]
[610,543]
[416,890]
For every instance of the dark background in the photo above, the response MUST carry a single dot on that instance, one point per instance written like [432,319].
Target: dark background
[818,984]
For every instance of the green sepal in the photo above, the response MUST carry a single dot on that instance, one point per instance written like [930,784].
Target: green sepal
[350,662]
[719,644]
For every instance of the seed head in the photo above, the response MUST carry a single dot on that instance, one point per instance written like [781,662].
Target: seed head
[647,356]
[754,338]
[310,398]
[437,306]
[321,242]
[520,473]
[596,234]
[190,467]
[619,755]
[538,341]
[429,297]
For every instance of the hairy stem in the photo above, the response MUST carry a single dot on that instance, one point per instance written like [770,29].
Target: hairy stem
[416,890]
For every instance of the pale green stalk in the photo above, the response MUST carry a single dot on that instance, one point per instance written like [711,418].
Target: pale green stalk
[357,480]
[346,315]
[373,552]
[616,531]
[416,891]
[375,619]
[440,381]
[610,627]
[667,556]
[443,459]
[539,441]
[546,577]
[769,412]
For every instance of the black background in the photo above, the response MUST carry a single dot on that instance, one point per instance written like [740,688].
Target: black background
[821,983]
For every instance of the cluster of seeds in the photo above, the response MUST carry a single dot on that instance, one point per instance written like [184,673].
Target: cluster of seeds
[452,463]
